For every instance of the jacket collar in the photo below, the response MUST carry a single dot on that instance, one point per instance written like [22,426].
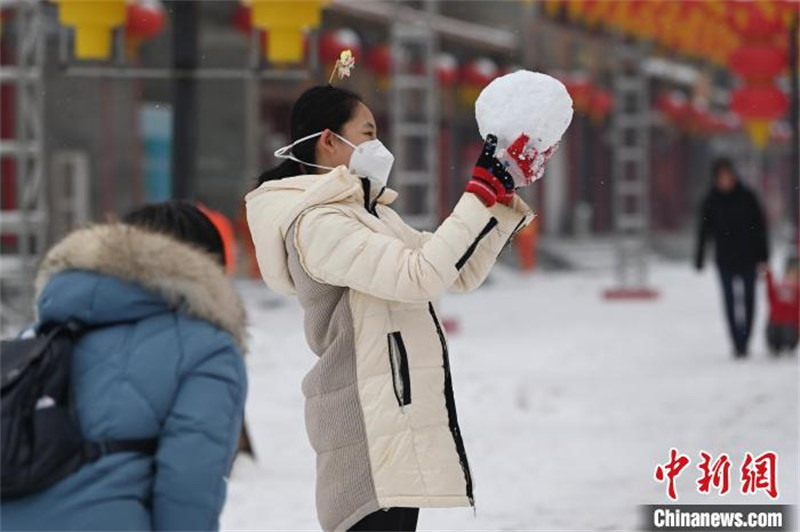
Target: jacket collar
[336,186]
[185,277]
[371,197]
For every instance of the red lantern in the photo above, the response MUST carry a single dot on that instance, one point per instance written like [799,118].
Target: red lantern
[758,62]
[243,21]
[332,43]
[759,103]
[601,104]
[474,76]
[479,72]
[379,60]
[145,20]
[752,23]
[579,88]
[758,106]
[446,69]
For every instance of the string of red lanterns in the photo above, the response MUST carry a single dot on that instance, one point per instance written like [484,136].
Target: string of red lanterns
[588,98]
[757,62]
[705,29]
[751,38]
[473,77]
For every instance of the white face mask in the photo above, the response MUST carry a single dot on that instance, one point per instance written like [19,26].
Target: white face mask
[370,159]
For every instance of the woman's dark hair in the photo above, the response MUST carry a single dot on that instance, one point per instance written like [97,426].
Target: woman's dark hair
[720,164]
[182,221]
[318,108]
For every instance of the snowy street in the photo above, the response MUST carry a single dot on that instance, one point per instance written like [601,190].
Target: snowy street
[565,414]
[171,170]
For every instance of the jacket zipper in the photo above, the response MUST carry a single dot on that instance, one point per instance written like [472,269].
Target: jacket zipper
[398,358]
[451,408]
[370,206]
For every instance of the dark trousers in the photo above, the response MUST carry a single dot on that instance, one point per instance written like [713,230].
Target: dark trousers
[781,337]
[393,519]
[739,304]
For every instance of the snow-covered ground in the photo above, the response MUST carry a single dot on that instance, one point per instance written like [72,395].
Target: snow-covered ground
[565,413]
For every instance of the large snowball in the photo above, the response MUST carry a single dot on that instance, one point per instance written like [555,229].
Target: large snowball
[524,102]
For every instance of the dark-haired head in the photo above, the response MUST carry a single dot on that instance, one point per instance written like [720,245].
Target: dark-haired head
[318,109]
[182,221]
[723,174]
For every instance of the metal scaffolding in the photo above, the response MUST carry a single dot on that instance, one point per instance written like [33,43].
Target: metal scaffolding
[631,201]
[415,119]
[24,227]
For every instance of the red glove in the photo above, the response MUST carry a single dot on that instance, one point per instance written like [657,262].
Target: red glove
[490,180]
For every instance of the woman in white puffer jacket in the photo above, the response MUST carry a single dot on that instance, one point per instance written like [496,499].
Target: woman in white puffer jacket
[380,411]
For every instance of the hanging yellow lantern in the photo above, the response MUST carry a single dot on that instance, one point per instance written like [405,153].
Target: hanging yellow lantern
[576,9]
[94,22]
[553,7]
[595,13]
[758,131]
[285,22]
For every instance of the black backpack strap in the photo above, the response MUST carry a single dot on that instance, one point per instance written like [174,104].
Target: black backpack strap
[149,446]
[76,327]
[94,449]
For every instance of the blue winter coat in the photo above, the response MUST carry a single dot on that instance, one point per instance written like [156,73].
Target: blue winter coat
[173,370]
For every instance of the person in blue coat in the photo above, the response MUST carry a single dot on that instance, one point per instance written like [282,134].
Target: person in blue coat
[166,363]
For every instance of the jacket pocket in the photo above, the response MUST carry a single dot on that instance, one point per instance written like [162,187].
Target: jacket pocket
[398,358]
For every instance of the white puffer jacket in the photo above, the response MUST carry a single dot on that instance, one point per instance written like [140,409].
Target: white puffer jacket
[380,411]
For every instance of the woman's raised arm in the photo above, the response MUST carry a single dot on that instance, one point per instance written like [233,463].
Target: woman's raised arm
[336,249]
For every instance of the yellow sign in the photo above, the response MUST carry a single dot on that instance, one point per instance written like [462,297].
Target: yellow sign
[94,22]
[285,21]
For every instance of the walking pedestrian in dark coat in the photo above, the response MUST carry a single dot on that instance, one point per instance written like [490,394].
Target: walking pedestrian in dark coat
[732,217]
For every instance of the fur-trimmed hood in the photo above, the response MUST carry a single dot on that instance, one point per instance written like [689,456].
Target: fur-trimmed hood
[185,277]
